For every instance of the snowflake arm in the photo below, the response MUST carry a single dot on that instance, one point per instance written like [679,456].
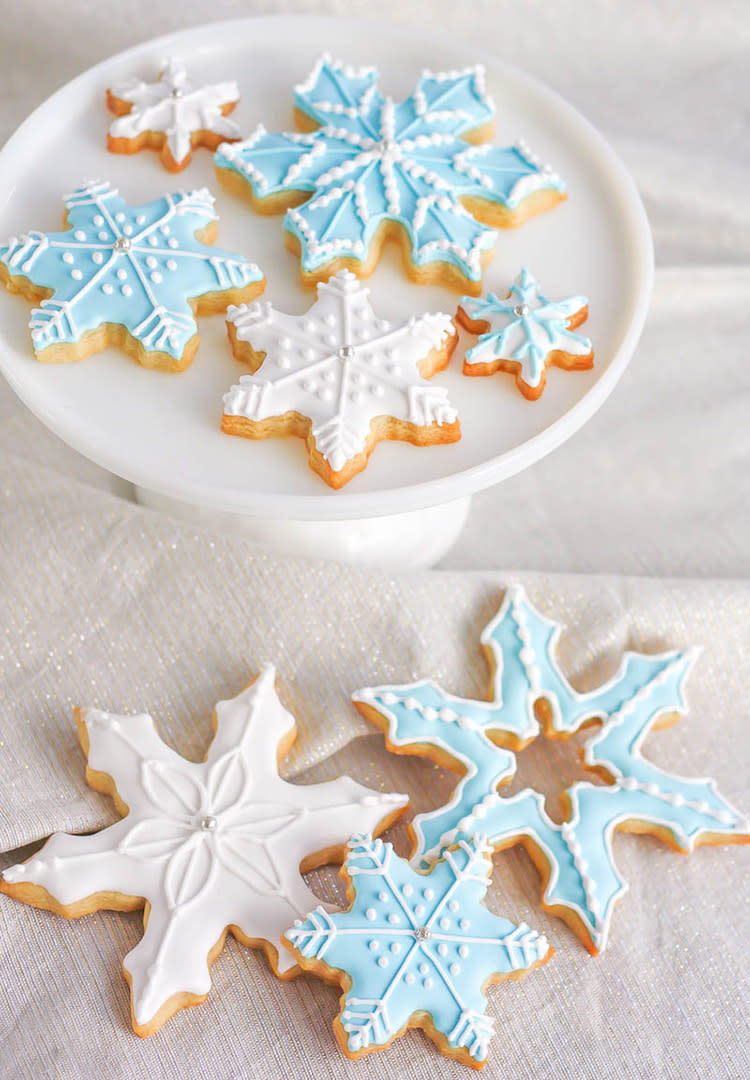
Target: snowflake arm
[373,163]
[141,268]
[340,378]
[582,883]
[525,333]
[415,949]
[207,846]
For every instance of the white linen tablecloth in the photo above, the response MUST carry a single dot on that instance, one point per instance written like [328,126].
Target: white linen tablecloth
[636,534]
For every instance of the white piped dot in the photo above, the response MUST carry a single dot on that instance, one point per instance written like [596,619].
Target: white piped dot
[371,914]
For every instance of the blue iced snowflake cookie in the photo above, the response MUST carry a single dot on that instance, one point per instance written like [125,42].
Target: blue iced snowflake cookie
[415,950]
[364,167]
[524,334]
[134,276]
[581,881]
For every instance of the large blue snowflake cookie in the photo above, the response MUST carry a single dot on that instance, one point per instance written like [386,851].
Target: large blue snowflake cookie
[363,168]
[525,333]
[415,950]
[575,858]
[134,276]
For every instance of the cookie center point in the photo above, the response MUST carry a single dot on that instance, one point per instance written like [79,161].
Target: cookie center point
[345,353]
[208,823]
[176,92]
[521,310]
[121,244]
[423,933]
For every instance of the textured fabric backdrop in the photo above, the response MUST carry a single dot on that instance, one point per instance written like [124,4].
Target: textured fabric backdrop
[106,604]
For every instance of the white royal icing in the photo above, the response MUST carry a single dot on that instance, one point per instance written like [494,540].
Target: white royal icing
[583,877]
[417,943]
[176,108]
[340,366]
[208,845]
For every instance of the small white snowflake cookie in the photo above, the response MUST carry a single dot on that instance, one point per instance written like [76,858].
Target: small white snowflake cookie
[132,276]
[525,334]
[208,848]
[171,115]
[340,378]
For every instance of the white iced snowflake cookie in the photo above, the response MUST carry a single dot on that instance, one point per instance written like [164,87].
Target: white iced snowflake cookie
[171,115]
[208,847]
[525,334]
[340,378]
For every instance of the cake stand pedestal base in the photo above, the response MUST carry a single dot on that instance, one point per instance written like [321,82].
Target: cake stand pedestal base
[415,540]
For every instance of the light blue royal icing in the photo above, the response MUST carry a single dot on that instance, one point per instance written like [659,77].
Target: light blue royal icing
[583,877]
[135,266]
[373,160]
[417,943]
[525,328]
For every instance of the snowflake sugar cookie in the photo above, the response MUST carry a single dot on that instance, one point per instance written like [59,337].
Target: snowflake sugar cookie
[524,334]
[171,115]
[581,882]
[134,276]
[364,168]
[416,950]
[209,848]
[340,378]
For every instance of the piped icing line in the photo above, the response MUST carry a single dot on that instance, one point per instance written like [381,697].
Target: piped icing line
[582,883]
[207,846]
[406,162]
[136,266]
[415,949]
[184,114]
[341,367]
[524,333]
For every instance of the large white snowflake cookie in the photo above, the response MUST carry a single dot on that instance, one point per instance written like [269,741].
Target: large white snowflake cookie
[340,378]
[525,333]
[416,950]
[581,881]
[171,115]
[364,168]
[208,848]
[133,276]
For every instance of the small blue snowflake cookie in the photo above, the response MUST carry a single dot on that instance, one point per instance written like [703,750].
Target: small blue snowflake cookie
[134,276]
[530,692]
[525,334]
[415,950]
[363,168]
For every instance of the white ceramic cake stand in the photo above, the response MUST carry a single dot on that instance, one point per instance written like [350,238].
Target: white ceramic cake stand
[161,431]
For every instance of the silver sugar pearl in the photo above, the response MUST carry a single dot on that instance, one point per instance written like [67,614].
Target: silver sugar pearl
[208,823]
[177,91]
[521,310]
[122,244]
[346,352]
[387,146]
[423,933]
